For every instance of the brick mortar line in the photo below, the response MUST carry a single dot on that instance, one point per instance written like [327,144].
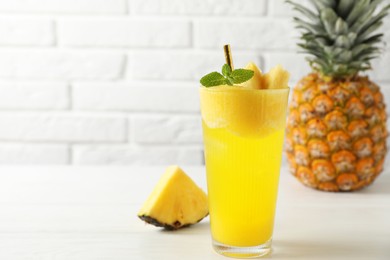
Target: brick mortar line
[110,113]
[192,35]
[167,114]
[130,133]
[128,128]
[200,16]
[67,114]
[18,142]
[71,144]
[70,96]
[124,17]
[168,144]
[60,48]
[129,112]
[143,17]
[240,19]
[54,31]
[139,145]
[32,109]
[126,81]
[54,15]
[267,8]
[144,49]
[138,50]
[127,8]
[70,160]
[124,67]
[94,48]
[60,142]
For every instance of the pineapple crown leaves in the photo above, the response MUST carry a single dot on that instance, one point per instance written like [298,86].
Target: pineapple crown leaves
[228,77]
[340,35]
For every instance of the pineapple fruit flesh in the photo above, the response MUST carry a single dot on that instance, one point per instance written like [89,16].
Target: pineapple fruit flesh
[175,202]
[336,129]
[257,81]
[276,78]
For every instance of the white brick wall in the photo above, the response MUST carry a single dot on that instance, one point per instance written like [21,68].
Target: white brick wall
[191,7]
[55,63]
[62,127]
[132,154]
[124,32]
[181,64]
[21,95]
[136,97]
[64,6]
[257,33]
[26,31]
[116,81]
[25,153]
[165,129]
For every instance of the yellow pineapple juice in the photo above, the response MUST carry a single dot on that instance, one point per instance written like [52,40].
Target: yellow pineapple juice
[243,131]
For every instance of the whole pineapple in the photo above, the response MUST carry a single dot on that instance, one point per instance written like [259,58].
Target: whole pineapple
[336,129]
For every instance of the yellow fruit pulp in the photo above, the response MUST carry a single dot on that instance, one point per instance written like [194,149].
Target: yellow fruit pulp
[277,77]
[243,132]
[176,200]
[257,81]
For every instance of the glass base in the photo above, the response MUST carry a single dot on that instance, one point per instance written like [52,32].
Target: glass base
[243,252]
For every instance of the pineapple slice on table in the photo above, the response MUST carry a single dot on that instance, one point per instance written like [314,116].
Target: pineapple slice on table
[175,202]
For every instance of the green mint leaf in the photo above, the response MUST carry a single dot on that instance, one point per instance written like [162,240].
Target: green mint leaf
[241,75]
[213,79]
[229,81]
[226,70]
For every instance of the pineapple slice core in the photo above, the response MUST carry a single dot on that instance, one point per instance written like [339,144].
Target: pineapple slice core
[175,202]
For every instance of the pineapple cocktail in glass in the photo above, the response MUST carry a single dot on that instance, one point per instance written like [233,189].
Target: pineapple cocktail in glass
[243,131]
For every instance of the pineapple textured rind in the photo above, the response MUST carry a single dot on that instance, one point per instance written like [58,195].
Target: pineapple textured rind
[336,133]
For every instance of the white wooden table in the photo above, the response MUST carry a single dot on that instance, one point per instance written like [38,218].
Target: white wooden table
[90,213]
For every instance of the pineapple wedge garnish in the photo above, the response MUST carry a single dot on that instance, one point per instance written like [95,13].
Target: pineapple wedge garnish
[277,77]
[257,81]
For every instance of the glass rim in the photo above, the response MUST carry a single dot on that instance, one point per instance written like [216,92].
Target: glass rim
[225,88]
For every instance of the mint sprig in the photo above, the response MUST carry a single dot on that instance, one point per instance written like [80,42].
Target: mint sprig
[228,77]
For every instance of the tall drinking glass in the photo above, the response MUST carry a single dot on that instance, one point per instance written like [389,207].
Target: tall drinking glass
[243,132]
